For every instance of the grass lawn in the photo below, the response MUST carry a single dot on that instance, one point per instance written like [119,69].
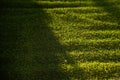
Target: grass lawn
[60,40]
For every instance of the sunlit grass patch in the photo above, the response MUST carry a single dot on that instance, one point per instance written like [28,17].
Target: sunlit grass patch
[100,55]
[93,70]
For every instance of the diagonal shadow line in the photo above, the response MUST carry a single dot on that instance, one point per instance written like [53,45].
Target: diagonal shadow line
[28,46]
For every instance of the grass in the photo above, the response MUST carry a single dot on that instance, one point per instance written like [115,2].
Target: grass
[60,40]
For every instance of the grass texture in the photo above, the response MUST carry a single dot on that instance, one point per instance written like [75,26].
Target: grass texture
[60,40]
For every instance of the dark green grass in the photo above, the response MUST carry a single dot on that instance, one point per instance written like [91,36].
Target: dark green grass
[52,3]
[59,43]
[27,45]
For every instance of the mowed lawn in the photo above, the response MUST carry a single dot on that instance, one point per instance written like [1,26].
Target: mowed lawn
[60,40]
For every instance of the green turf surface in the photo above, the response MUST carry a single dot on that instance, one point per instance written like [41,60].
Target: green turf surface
[57,40]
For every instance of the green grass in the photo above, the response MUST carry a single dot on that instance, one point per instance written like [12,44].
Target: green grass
[60,40]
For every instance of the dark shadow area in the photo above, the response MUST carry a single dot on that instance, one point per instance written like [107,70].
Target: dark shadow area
[42,4]
[28,48]
[17,4]
[112,9]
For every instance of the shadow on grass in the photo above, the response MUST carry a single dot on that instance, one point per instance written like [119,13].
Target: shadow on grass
[112,8]
[29,50]
[43,3]
[113,11]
